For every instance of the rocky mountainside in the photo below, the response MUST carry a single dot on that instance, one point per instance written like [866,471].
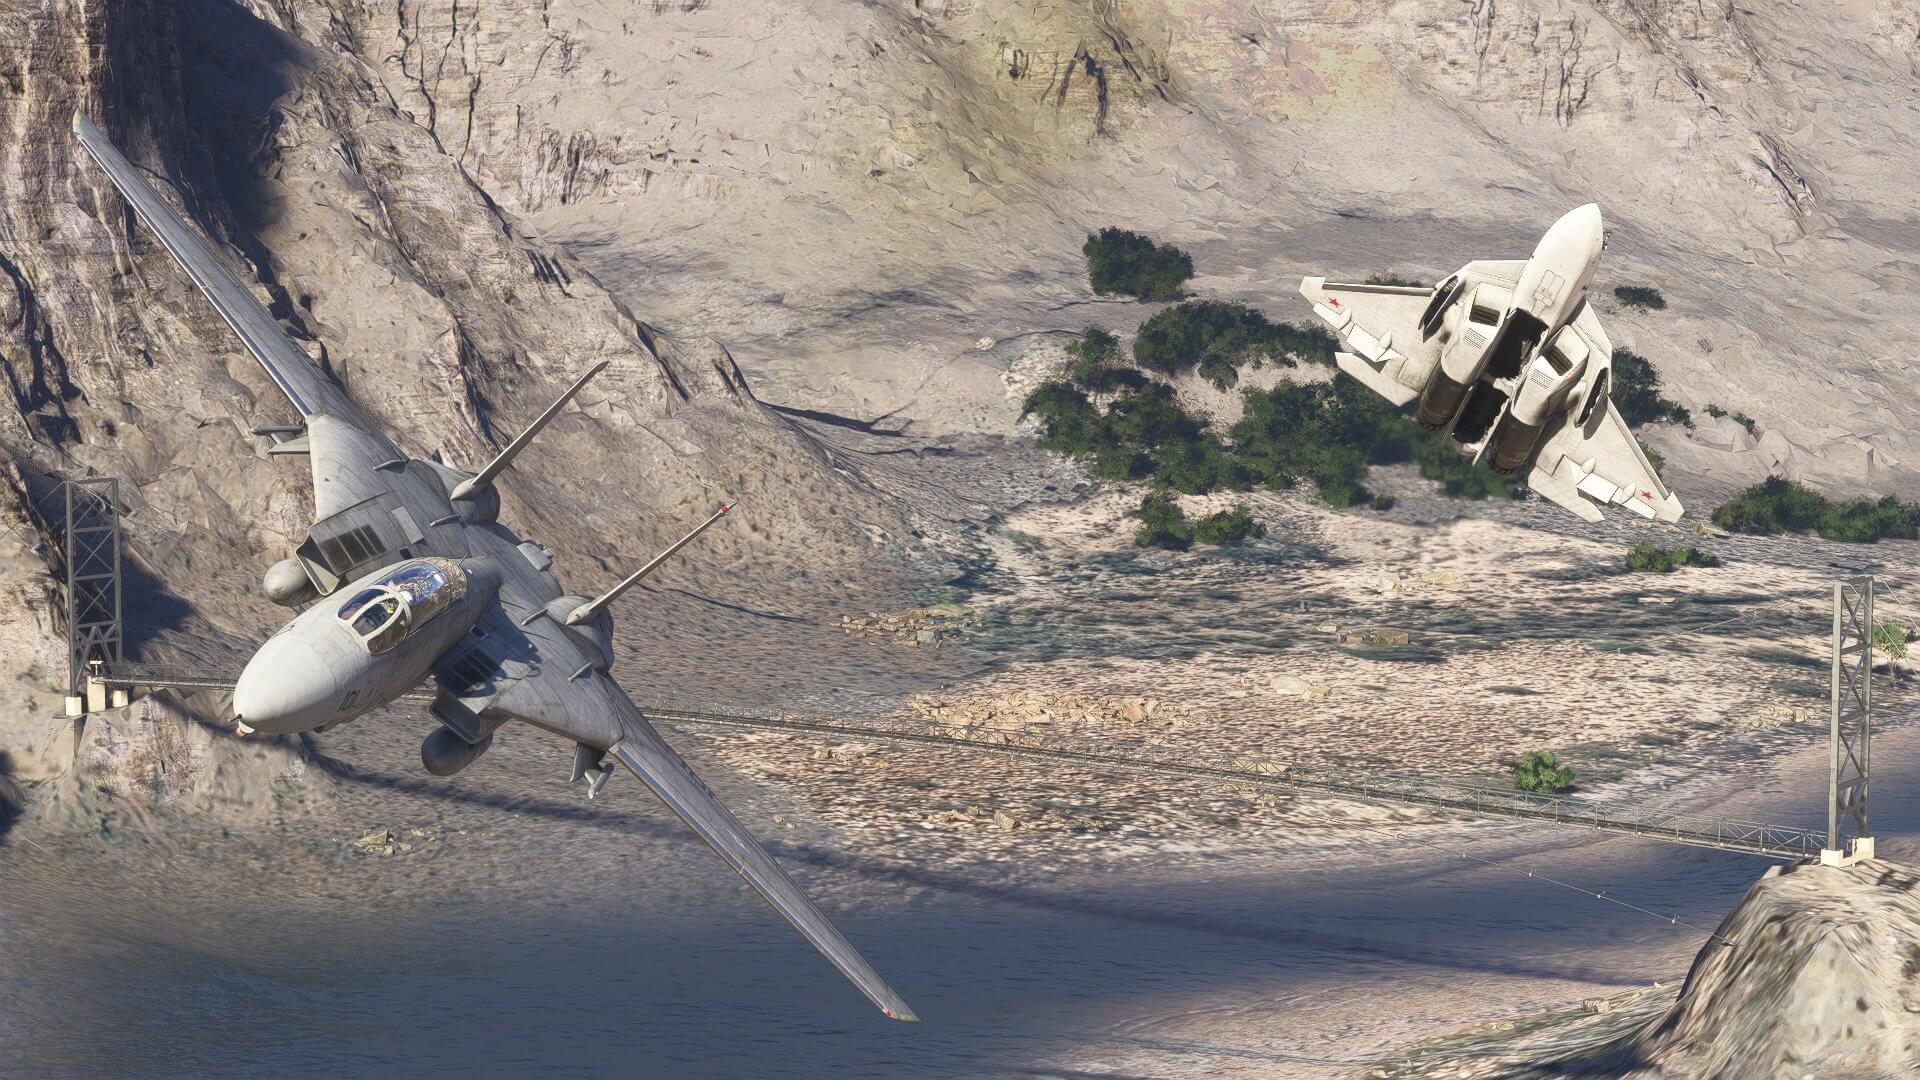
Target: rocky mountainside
[398,269]
[879,207]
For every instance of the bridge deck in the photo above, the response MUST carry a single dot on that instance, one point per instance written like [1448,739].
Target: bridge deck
[1722,834]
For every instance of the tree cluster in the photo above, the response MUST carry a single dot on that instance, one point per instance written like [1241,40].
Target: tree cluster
[1778,505]
[1129,264]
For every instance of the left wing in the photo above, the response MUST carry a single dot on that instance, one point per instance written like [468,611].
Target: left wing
[642,750]
[527,668]
[1380,326]
[1600,460]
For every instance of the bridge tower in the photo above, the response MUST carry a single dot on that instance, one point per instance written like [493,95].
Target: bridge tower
[90,575]
[1849,839]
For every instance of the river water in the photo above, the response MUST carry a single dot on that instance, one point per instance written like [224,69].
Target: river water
[528,946]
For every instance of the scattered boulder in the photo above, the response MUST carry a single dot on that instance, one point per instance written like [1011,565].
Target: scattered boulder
[1287,685]
[1004,820]
[914,627]
[1382,636]
[1024,709]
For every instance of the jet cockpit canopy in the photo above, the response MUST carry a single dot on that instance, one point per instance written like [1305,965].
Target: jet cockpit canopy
[402,600]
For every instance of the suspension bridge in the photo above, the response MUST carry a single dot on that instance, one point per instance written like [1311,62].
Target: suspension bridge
[100,675]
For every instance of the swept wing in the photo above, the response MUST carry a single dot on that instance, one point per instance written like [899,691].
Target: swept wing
[343,444]
[529,668]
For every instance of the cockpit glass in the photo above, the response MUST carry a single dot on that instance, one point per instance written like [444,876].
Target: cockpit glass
[376,615]
[402,600]
[360,599]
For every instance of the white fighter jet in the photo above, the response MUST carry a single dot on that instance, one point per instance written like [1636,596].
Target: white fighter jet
[408,579]
[1510,360]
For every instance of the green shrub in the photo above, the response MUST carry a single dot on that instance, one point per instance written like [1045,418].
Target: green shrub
[1383,502]
[1330,433]
[1863,521]
[1778,505]
[1181,338]
[1069,422]
[1457,475]
[1163,524]
[1198,465]
[1098,366]
[1150,416]
[1127,263]
[1121,463]
[1219,371]
[1228,526]
[1397,280]
[1648,558]
[1541,771]
[1293,432]
[1774,505]
[1643,297]
[1742,419]
[1636,392]
[1656,459]
[1105,379]
[1891,638]
[1094,344]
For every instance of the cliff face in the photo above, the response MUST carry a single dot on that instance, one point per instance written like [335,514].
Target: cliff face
[854,194]
[395,267]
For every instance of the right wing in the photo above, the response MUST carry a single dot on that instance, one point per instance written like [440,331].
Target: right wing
[1601,461]
[1380,326]
[343,451]
[286,364]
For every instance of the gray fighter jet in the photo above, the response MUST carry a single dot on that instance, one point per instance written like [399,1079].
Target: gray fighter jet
[408,578]
[1508,358]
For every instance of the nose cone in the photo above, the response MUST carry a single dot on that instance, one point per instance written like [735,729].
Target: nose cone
[287,687]
[1583,228]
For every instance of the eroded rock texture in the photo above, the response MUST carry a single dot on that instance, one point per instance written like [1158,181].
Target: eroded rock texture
[306,142]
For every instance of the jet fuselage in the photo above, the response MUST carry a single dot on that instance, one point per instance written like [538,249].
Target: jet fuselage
[364,645]
[1505,367]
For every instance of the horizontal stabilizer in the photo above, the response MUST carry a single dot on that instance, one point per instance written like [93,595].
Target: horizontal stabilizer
[1375,379]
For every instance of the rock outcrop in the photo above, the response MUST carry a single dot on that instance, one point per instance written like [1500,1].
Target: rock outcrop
[1813,974]
[1819,981]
